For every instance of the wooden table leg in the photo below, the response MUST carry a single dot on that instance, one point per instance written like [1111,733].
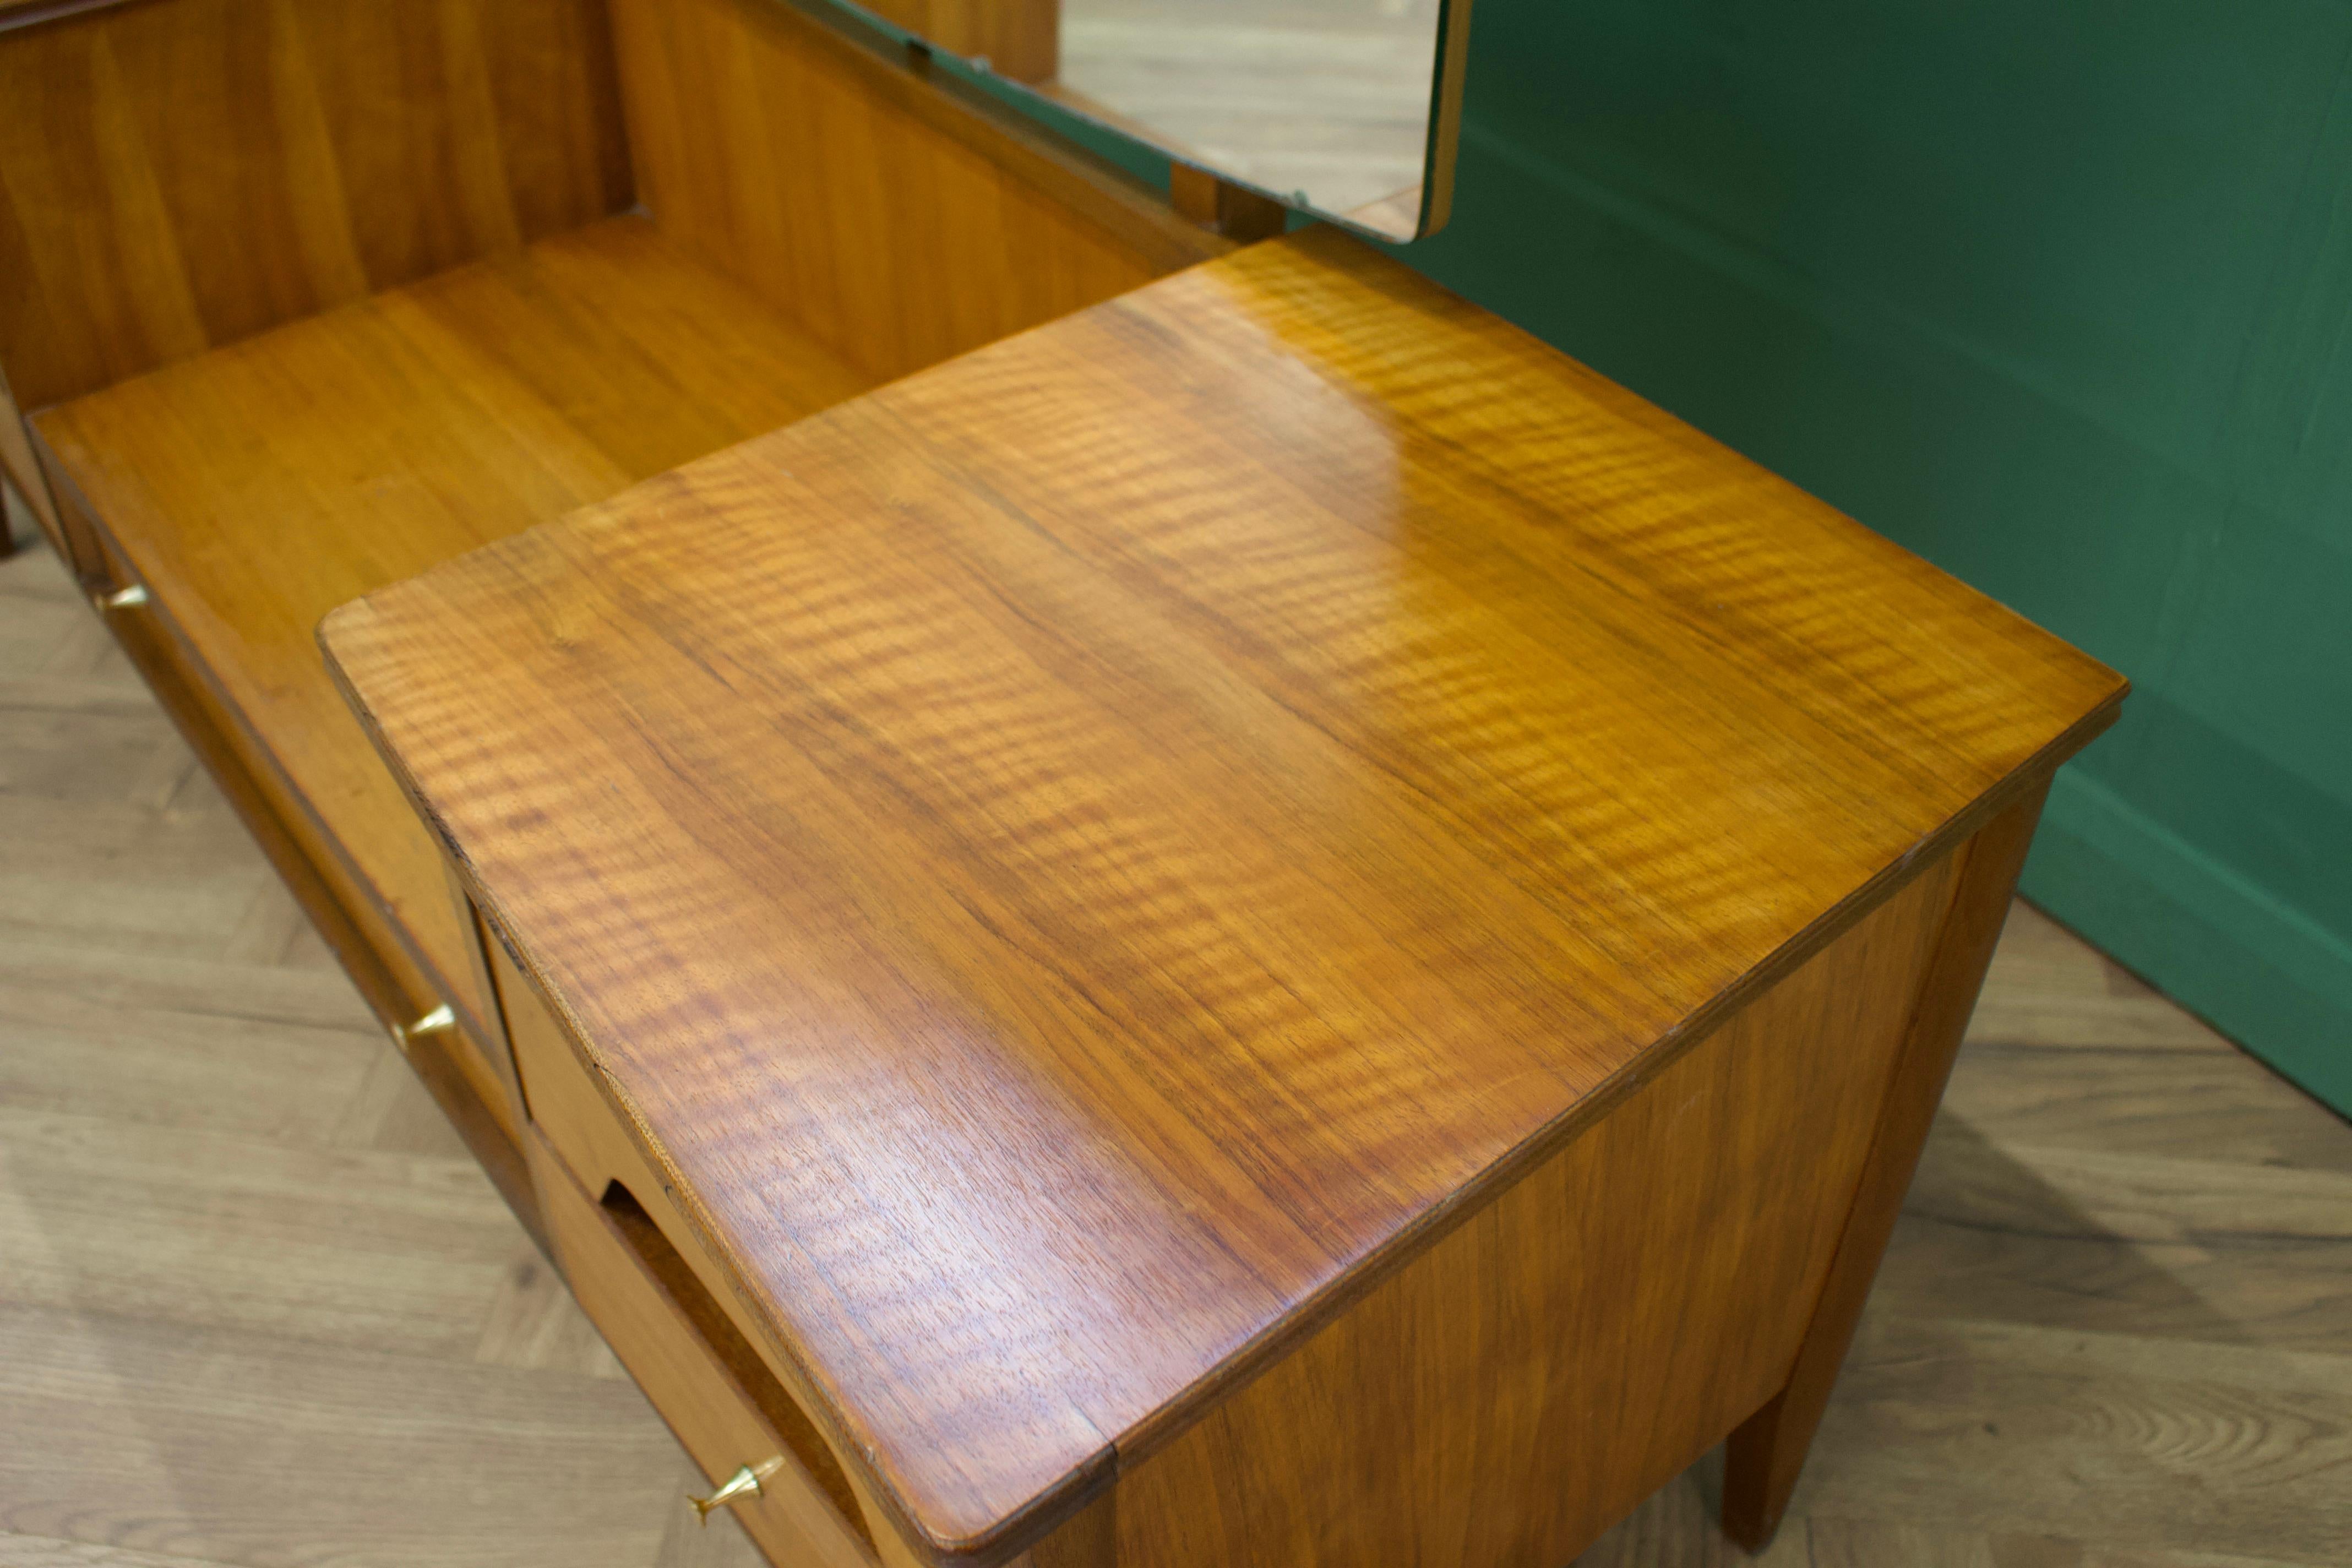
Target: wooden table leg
[1768,1450]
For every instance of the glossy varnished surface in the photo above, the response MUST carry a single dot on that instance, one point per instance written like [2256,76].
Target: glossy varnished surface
[256,488]
[1074,856]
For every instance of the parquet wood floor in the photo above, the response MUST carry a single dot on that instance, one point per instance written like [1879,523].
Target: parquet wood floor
[258,1308]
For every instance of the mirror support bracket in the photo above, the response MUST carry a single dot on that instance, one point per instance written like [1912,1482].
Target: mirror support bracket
[1234,211]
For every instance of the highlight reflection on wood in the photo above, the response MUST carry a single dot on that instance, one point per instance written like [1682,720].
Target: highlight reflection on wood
[1079,861]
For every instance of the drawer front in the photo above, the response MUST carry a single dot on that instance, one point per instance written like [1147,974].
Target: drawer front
[256,780]
[563,1100]
[578,1129]
[713,1390]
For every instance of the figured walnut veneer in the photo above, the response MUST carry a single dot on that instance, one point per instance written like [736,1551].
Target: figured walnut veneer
[1081,864]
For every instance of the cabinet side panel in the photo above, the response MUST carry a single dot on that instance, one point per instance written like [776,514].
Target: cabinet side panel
[1765,1455]
[897,224]
[182,173]
[1509,1394]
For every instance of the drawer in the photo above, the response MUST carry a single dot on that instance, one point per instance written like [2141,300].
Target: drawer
[727,1409]
[579,1133]
[563,1099]
[363,932]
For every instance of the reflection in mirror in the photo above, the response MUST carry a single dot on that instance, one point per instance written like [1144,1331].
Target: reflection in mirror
[1345,108]
[1323,103]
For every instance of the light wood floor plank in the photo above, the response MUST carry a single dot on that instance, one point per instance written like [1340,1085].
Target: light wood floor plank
[44,1551]
[252,1448]
[2126,1099]
[2124,1439]
[229,1047]
[337,1247]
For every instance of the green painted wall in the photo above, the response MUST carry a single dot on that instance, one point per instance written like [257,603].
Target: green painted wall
[2056,295]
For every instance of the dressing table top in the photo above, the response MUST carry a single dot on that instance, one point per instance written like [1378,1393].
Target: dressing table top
[1077,858]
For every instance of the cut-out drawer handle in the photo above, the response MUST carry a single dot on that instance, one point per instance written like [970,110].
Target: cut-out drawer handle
[129,598]
[743,1483]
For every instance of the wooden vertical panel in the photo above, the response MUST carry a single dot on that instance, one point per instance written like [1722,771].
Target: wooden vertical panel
[162,296]
[551,68]
[1767,1451]
[216,83]
[434,169]
[180,174]
[482,996]
[901,224]
[1520,1386]
[322,231]
[89,316]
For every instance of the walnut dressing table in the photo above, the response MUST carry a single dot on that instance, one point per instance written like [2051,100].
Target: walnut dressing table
[1259,923]
[1266,925]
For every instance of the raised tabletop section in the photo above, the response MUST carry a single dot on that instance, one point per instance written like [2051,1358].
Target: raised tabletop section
[1076,861]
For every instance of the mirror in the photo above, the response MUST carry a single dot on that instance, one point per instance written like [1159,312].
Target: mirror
[1345,108]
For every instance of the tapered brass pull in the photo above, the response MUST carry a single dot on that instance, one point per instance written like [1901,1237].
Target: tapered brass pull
[441,1017]
[743,1483]
[129,598]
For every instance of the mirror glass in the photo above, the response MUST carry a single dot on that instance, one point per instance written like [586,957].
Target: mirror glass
[1346,108]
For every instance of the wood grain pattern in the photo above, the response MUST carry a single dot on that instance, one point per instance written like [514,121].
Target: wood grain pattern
[898,222]
[181,174]
[1078,856]
[256,488]
[1019,38]
[1765,1455]
[1521,1385]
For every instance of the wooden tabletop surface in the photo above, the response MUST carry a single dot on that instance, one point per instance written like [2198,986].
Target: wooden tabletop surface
[1079,857]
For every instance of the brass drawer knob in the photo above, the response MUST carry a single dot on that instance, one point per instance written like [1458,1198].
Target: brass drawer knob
[440,1018]
[743,1483]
